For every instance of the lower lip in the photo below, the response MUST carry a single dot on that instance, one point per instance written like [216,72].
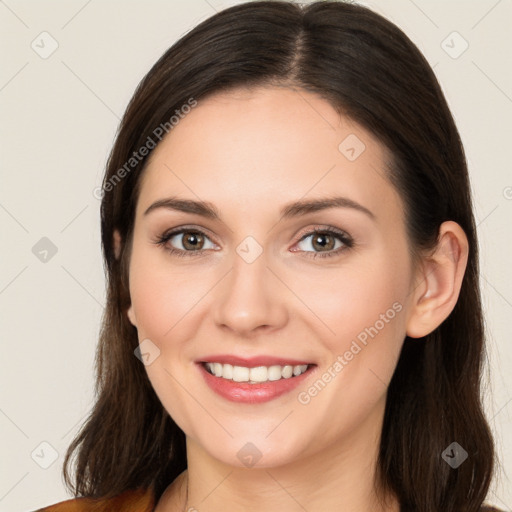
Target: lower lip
[252,393]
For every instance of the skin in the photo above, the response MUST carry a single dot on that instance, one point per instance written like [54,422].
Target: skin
[249,153]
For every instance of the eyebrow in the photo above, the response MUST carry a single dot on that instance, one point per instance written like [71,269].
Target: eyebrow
[295,209]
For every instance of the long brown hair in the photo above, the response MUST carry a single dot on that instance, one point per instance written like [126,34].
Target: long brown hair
[369,70]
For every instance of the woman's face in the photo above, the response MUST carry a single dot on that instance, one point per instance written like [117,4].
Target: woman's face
[247,284]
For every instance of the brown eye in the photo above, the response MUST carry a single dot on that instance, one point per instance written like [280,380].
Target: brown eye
[192,240]
[324,243]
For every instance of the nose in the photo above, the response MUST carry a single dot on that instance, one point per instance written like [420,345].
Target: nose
[251,299]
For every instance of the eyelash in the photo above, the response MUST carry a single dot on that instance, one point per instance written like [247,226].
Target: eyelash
[347,241]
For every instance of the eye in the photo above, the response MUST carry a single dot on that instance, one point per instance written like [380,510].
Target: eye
[192,244]
[325,241]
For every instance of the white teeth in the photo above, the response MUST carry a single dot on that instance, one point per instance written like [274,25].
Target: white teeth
[297,370]
[287,371]
[217,369]
[227,371]
[240,374]
[274,373]
[257,374]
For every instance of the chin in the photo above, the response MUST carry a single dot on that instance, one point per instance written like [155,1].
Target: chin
[255,451]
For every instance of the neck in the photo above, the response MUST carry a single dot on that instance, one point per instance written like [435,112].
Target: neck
[341,477]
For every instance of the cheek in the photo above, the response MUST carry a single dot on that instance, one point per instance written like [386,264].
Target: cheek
[161,294]
[348,303]
[163,298]
[362,330]
[362,327]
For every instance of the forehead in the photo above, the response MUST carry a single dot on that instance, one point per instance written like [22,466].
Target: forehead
[263,147]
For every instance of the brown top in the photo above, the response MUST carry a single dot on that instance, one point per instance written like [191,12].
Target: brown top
[130,501]
[140,500]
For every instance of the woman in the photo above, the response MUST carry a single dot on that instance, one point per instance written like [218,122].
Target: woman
[322,347]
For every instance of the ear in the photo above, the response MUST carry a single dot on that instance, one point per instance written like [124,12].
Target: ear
[117,252]
[117,243]
[131,315]
[440,279]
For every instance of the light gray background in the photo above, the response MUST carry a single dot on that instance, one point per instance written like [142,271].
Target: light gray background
[58,117]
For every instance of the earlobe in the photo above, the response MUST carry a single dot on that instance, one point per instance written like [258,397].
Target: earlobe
[117,243]
[131,315]
[440,281]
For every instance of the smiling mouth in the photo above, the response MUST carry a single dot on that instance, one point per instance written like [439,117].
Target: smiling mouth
[255,375]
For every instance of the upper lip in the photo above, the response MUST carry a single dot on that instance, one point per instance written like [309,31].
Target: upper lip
[251,362]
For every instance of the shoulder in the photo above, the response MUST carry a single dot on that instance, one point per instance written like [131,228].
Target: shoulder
[140,500]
